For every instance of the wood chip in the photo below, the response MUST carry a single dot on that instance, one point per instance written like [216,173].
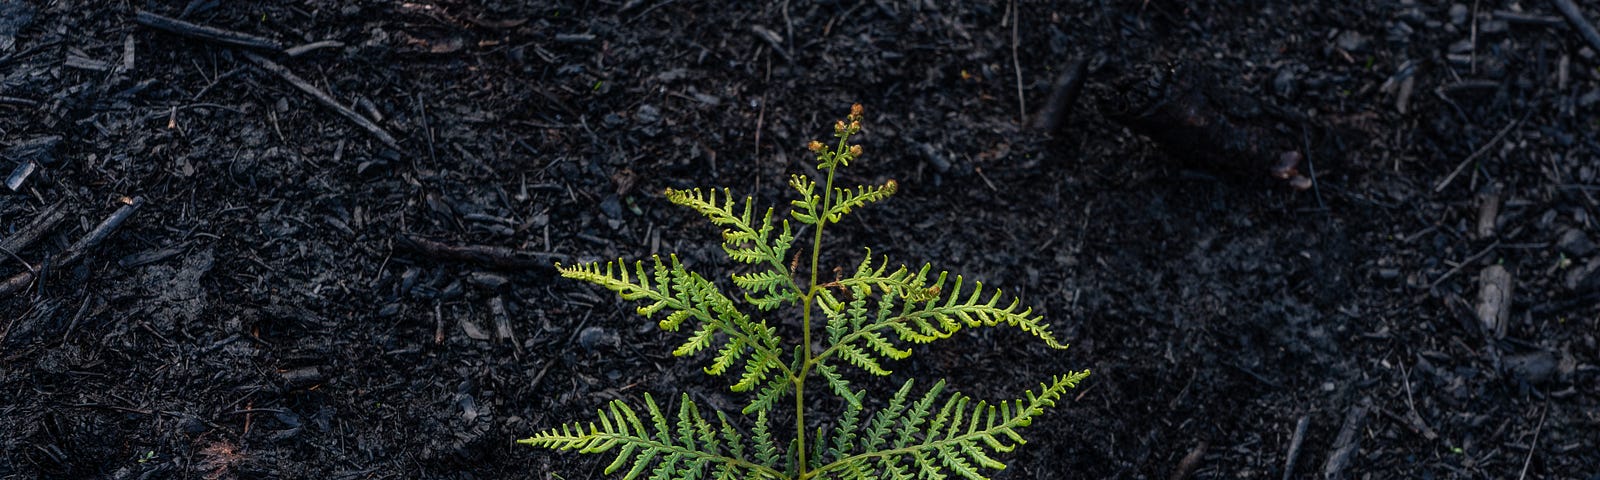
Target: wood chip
[1488,214]
[1347,443]
[1494,299]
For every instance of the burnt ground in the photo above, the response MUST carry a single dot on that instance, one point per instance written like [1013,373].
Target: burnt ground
[262,316]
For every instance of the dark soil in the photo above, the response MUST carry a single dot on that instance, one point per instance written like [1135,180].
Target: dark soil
[264,313]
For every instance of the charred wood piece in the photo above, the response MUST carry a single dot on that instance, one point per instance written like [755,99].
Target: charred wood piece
[492,256]
[203,32]
[1194,118]
[1064,94]
[78,249]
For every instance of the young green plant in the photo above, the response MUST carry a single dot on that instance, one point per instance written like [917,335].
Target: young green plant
[866,320]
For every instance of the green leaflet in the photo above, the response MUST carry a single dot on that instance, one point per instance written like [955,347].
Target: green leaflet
[692,450]
[688,296]
[865,322]
[960,438]
[909,308]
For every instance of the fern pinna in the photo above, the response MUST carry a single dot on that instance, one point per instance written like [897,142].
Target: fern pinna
[873,317]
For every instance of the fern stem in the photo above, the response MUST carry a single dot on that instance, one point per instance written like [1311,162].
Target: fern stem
[832,165]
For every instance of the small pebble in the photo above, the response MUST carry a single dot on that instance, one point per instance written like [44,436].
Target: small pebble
[1532,367]
[1283,84]
[1575,243]
[592,337]
[1458,14]
[1413,16]
[1351,41]
[1589,98]
[191,424]
[1494,299]
[1492,27]
[647,114]
[487,280]
[611,206]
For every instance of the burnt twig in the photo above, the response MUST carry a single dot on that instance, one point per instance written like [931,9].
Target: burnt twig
[299,50]
[1528,460]
[1477,153]
[324,99]
[30,233]
[1347,443]
[203,32]
[1189,463]
[1016,65]
[77,250]
[1186,109]
[1575,17]
[486,255]
[1065,93]
[1295,442]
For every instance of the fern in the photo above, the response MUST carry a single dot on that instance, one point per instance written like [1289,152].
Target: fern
[870,320]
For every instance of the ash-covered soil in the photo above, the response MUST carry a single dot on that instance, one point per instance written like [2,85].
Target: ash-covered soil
[291,298]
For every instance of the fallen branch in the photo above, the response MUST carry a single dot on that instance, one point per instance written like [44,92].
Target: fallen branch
[299,50]
[1528,460]
[323,98]
[1478,153]
[1016,66]
[1198,119]
[1189,462]
[486,255]
[202,32]
[1575,17]
[78,249]
[1062,96]
[1295,442]
[1347,443]
[43,223]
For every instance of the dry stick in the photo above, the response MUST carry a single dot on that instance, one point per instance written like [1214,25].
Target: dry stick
[1065,93]
[324,99]
[310,47]
[76,251]
[14,256]
[1295,442]
[1526,18]
[1016,64]
[1457,269]
[1346,443]
[1575,17]
[213,34]
[101,231]
[1535,447]
[1415,419]
[486,255]
[46,221]
[1481,150]
[1189,463]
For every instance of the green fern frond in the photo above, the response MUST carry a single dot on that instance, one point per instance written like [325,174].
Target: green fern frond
[688,296]
[960,438]
[765,448]
[850,199]
[845,435]
[658,450]
[838,384]
[746,240]
[913,310]
[773,390]
[870,319]
[805,208]
[883,422]
[773,286]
